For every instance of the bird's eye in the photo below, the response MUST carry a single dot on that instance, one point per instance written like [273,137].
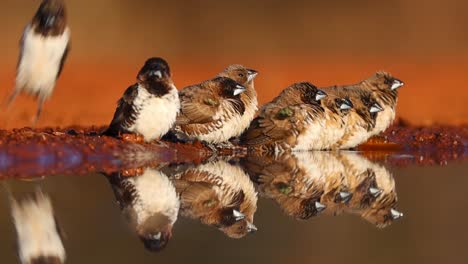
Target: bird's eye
[241,75]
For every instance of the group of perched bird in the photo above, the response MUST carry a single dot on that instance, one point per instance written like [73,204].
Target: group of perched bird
[302,117]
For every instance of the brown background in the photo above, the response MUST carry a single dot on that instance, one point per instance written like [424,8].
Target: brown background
[424,43]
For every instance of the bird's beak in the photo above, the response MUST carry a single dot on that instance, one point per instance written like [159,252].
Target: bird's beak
[376,108]
[157,74]
[239,89]
[345,106]
[251,228]
[238,215]
[320,207]
[346,196]
[157,236]
[375,192]
[395,214]
[320,95]
[50,21]
[397,84]
[251,75]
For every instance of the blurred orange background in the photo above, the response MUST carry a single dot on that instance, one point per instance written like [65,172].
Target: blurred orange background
[421,42]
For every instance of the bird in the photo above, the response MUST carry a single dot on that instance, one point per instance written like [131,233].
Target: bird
[218,194]
[211,111]
[148,108]
[44,48]
[39,235]
[245,77]
[295,120]
[295,181]
[361,119]
[373,187]
[150,204]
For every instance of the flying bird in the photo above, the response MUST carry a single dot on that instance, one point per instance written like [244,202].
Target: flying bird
[44,48]
[149,107]
[39,235]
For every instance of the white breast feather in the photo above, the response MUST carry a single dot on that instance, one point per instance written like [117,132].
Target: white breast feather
[40,62]
[36,228]
[155,115]
[156,195]
[384,120]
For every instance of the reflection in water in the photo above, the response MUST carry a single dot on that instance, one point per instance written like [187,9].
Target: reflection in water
[150,204]
[307,183]
[218,194]
[39,238]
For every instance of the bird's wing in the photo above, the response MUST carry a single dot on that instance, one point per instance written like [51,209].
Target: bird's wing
[276,123]
[198,105]
[124,112]
[64,58]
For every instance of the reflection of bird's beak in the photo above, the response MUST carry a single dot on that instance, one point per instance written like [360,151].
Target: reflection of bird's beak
[346,196]
[252,74]
[251,228]
[238,215]
[395,214]
[320,207]
[239,89]
[320,95]
[50,21]
[375,192]
[397,84]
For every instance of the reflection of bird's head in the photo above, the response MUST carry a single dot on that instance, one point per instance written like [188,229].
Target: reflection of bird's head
[239,229]
[155,232]
[381,217]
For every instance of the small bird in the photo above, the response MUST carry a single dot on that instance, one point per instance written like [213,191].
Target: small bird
[245,77]
[39,236]
[211,111]
[296,182]
[361,119]
[149,107]
[218,194]
[294,120]
[150,204]
[43,50]
[374,194]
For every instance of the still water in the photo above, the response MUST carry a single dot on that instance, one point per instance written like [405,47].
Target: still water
[210,213]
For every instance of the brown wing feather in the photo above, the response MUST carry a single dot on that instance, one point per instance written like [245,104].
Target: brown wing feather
[124,114]
[198,105]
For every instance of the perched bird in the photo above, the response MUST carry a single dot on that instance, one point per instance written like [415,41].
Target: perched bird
[39,236]
[361,119]
[245,77]
[44,49]
[211,111]
[296,182]
[149,107]
[297,120]
[374,194]
[218,194]
[150,204]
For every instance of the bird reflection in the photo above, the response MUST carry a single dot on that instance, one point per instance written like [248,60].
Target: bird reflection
[305,184]
[150,204]
[39,236]
[218,194]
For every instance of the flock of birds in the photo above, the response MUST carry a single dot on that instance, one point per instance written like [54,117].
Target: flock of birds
[221,194]
[302,117]
[223,110]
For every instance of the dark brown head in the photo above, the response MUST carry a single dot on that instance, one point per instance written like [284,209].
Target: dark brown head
[381,217]
[51,18]
[46,260]
[240,74]
[156,74]
[310,94]
[239,229]
[158,240]
[229,88]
